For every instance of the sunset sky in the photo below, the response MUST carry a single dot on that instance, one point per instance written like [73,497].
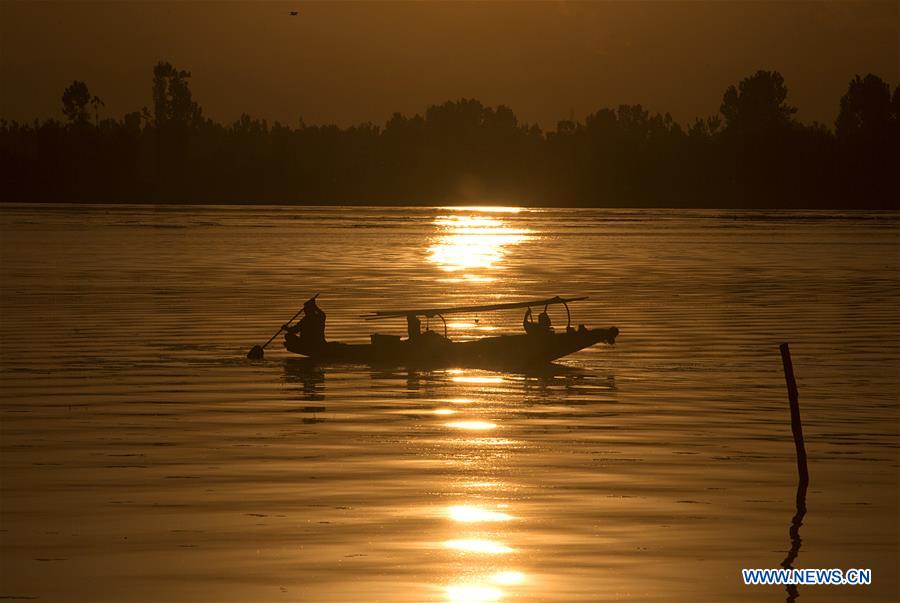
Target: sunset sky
[349,62]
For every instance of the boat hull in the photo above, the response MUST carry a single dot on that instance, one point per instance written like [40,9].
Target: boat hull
[505,350]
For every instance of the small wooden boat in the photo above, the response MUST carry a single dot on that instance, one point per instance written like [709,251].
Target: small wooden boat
[432,349]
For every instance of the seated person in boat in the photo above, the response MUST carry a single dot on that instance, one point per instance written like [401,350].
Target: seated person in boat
[541,327]
[413,326]
[312,326]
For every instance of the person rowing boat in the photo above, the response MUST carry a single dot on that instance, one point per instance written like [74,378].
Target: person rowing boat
[311,328]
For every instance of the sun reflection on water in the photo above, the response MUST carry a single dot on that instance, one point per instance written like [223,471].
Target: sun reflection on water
[472,514]
[471,244]
[471,325]
[488,209]
[484,590]
[476,379]
[472,425]
[508,578]
[473,593]
[487,547]
[482,485]
[459,400]
[475,527]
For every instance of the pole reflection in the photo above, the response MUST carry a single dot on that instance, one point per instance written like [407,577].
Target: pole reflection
[796,522]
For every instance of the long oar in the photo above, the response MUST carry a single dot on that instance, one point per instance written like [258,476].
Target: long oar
[257,353]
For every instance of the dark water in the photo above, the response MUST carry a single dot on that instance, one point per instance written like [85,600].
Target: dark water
[144,459]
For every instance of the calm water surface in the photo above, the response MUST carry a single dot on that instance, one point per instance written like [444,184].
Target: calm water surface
[144,459]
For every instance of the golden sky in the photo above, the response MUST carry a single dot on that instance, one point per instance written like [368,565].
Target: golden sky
[349,62]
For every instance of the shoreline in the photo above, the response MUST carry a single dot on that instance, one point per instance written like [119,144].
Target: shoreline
[460,205]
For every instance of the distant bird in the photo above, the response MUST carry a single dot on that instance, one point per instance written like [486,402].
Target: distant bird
[293,13]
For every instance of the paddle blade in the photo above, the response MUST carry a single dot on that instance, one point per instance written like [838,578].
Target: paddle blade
[256,353]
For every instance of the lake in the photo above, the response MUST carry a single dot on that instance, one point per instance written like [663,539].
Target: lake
[145,459]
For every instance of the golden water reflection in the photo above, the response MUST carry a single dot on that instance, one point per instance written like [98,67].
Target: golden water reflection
[459,400]
[484,380]
[473,244]
[488,209]
[473,593]
[472,514]
[484,590]
[478,545]
[482,485]
[473,325]
[472,425]
[476,533]
[508,578]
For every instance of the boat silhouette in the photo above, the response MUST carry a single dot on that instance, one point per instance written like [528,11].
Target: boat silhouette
[540,345]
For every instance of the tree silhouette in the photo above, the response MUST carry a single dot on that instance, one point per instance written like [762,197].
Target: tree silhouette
[869,137]
[75,100]
[755,154]
[175,114]
[758,104]
[96,103]
[866,110]
[173,104]
[766,159]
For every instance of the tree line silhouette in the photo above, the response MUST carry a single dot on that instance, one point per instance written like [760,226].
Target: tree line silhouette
[755,153]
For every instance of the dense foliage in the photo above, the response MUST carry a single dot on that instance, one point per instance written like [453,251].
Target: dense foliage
[755,155]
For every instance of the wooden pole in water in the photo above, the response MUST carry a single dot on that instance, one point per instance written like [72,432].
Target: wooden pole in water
[796,427]
[803,482]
